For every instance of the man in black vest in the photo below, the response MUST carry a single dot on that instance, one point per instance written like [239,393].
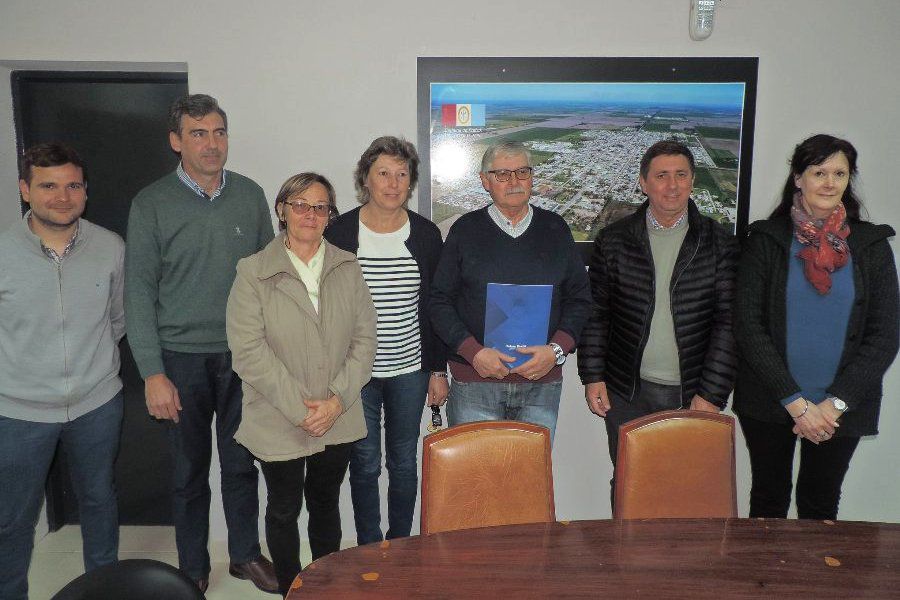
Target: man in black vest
[659,337]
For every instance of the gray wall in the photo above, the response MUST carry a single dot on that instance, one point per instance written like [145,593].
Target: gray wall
[307,85]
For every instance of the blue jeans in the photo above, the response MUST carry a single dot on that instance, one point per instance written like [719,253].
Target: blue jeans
[91,443]
[206,386]
[536,403]
[403,399]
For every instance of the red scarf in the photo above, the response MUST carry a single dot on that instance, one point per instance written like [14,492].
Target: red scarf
[825,243]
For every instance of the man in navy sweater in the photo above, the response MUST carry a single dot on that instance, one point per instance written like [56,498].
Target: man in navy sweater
[508,242]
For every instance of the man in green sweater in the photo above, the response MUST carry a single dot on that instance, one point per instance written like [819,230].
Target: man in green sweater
[186,233]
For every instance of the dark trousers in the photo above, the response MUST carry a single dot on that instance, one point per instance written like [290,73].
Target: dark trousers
[822,470]
[287,486]
[207,386]
[402,399]
[651,398]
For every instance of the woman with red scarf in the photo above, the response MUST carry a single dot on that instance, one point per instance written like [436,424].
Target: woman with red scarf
[815,320]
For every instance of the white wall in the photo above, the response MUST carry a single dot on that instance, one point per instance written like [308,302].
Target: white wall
[9,205]
[308,84]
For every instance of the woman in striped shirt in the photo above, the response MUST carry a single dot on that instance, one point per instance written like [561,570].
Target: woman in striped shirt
[398,251]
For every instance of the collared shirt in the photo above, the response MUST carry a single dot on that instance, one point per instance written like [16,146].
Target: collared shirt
[50,252]
[506,225]
[196,187]
[310,274]
[654,224]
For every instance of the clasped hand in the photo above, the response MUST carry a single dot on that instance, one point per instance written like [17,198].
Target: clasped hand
[321,415]
[490,363]
[815,422]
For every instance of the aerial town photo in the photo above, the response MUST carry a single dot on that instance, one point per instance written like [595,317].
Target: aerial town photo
[586,141]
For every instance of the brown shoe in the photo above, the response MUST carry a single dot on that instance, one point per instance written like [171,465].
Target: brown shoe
[259,571]
[203,584]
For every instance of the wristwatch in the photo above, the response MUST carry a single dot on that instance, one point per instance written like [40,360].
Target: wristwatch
[839,405]
[558,351]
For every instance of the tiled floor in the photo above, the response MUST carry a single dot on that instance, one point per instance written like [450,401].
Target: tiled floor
[57,560]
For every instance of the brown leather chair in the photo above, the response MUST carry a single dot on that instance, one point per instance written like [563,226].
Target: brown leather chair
[676,464]
[486,473]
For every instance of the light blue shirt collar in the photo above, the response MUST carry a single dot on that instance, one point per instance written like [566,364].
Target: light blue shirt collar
[196,187]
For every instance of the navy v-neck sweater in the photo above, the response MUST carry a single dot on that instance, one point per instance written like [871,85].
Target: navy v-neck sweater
[477,252]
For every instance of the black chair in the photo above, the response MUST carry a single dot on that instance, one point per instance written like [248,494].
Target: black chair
[133,579]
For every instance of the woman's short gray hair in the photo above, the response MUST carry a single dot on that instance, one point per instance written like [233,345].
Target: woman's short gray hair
[386,145]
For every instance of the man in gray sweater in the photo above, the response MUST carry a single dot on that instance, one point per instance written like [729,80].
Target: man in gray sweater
[186,233]
[61,318]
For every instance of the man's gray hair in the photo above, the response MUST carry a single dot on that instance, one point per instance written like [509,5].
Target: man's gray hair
[504,149]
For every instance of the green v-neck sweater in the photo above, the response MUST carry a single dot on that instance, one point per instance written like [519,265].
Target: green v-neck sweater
[180,257]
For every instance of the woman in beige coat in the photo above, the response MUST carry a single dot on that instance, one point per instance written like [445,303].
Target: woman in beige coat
[301,328]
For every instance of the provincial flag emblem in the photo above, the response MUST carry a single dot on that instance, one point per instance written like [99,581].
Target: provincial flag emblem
[462,115]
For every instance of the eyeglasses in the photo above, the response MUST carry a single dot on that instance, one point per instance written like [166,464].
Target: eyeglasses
[301,208]
[505,174]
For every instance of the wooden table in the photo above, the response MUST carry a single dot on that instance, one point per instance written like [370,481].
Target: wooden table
[665,558]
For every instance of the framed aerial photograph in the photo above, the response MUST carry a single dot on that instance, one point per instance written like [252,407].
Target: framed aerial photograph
[587,122]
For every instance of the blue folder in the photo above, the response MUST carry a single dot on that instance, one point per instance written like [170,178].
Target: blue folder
[516,316]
